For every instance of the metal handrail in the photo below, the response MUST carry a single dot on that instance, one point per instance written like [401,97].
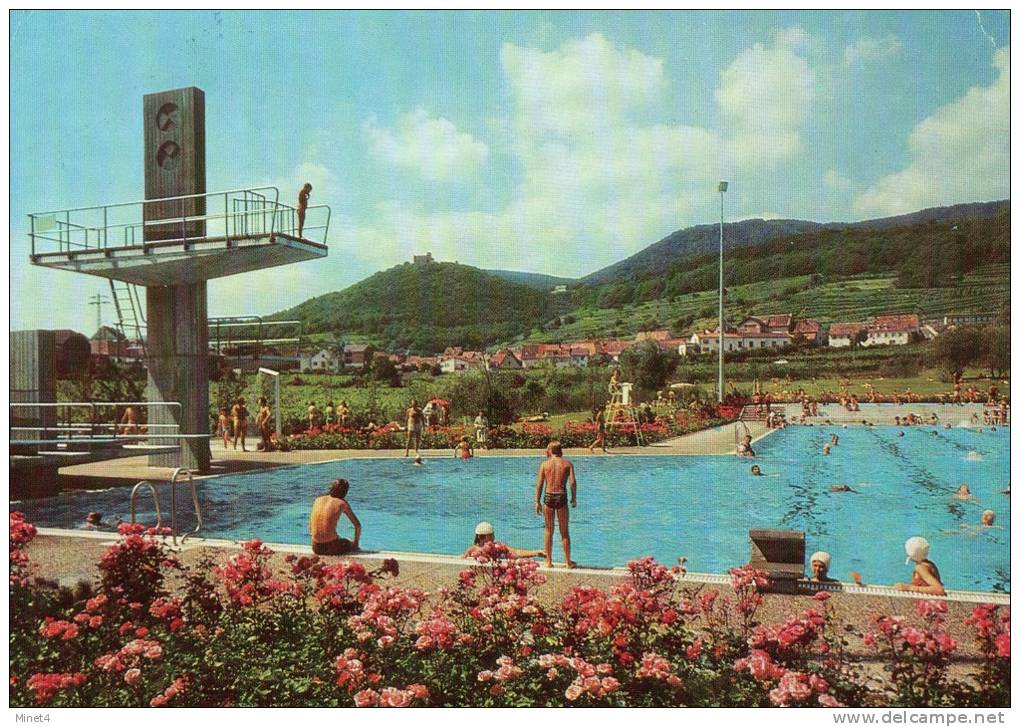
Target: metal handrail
[155,499]
[156,200]
[173,504]
[259,203]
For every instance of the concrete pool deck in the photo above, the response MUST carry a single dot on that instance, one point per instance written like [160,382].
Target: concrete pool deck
[130,470]
[68,557]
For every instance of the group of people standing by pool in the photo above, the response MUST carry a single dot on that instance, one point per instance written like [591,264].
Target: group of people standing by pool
[232,424]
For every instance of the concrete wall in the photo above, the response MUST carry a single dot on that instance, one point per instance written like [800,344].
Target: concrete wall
[178,363]
[33,379]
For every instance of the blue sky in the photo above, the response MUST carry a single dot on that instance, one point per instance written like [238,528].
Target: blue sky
[555,142]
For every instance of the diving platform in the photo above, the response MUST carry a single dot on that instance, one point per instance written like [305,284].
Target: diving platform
[172,242]
[249,229]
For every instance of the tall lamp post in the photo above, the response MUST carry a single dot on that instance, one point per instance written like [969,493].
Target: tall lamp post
[722,188]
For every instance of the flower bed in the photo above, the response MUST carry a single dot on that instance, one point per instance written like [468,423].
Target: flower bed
[522,436]
[328,632]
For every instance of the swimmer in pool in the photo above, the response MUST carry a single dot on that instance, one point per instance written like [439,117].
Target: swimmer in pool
[841,488]
[834,439]
[900,434]
[485,533]
[464,450]
[926,577]
[963,493]
[418,461]
[825,450]
[756,470]
[820,563]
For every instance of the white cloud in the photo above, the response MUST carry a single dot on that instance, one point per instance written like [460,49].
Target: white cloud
[836,181]
[765,96]
[864,50]
[432,146]
[584,86]
[958,154]
[602,174]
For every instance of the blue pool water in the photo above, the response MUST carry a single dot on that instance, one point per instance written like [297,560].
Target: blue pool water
[665,506]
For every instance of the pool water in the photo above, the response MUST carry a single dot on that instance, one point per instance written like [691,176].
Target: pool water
[629,506]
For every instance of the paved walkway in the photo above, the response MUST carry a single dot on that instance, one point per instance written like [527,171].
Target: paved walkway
[717,440]
[953,414]
[129,470]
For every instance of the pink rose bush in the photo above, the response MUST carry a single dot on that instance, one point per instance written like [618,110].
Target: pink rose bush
[258,630]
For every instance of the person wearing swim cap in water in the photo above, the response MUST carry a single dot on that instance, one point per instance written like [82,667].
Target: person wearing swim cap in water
[926,577]
[485,533]
[820,563]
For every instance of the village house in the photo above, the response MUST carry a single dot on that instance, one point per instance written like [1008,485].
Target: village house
[530,355]
[809,329]
[734,340]
[355,355]
[892,330]
[413,363]
[108,341]
[322,361]
[504,359]
[761,325]
[843,335]
[613,348]
[463,361]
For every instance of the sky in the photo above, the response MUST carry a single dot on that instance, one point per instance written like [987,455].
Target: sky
[551,142]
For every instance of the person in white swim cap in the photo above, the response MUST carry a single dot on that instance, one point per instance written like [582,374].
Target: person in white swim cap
[485,533]
[820,563]
[926,577]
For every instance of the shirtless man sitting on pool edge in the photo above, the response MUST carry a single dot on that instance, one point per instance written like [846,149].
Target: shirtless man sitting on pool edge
[326,512]
[553,475]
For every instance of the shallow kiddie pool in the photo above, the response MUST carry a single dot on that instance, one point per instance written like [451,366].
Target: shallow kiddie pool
[665,506]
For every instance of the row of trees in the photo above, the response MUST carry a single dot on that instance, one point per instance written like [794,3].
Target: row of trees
[966,346]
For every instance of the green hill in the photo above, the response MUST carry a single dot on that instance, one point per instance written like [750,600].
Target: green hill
[918,254]
[425,308]
[533,280]
[933,262]
[692,242]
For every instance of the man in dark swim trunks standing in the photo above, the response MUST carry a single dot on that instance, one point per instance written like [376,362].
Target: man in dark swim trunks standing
[553,475]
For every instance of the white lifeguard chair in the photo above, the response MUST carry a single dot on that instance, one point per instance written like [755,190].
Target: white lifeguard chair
[620,402]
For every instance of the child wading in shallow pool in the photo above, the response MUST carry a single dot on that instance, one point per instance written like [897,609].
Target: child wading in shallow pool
[464,449]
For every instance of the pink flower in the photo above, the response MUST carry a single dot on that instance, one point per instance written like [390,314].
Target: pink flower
[694,650]
[822,596]
[366,698]
[573,692]
[1002,645]
[419,691]
[132,675]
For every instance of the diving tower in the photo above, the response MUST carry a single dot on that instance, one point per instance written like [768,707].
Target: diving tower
[173,242]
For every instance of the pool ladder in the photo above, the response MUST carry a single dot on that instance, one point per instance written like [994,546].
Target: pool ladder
[173,503]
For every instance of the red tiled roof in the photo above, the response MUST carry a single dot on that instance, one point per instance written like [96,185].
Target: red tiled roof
[845,330]
[779,320]
[895,323]
[807,325]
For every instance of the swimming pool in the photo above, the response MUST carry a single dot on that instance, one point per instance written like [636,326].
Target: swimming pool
[665,506]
